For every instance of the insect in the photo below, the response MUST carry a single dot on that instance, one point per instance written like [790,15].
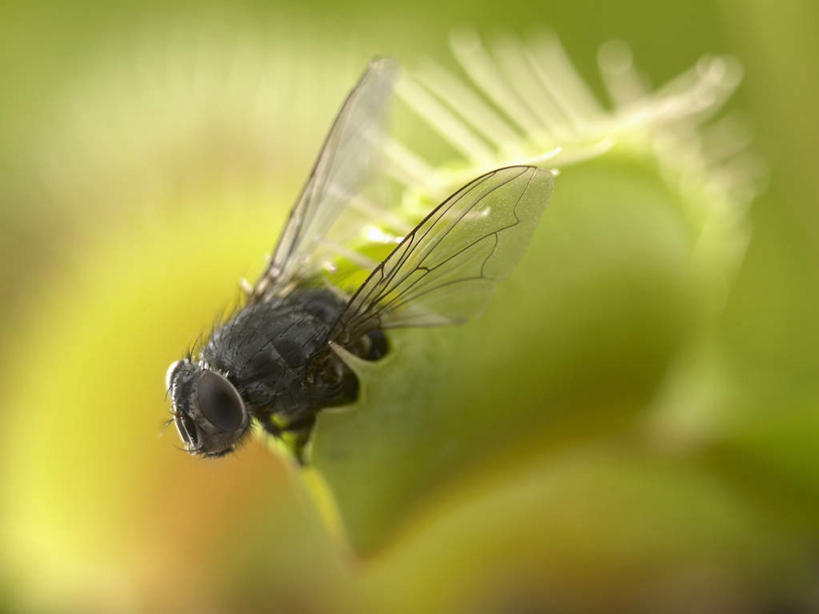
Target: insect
[275,360]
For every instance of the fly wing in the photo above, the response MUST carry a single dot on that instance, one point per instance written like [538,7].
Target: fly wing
[445,269]
[345,163]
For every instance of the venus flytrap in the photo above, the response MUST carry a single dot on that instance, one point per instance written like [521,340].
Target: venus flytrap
[527,104]
[650,199]
[544,113]
[194,152]
[426,420]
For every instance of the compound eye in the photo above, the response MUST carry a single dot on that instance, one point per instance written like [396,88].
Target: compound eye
[219,402]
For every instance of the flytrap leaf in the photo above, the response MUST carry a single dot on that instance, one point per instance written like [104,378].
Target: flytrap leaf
[629,267]
[571,347]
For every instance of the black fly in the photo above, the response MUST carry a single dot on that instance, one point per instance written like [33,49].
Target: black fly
[275,360]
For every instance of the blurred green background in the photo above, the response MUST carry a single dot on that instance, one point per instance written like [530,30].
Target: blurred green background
[596,442]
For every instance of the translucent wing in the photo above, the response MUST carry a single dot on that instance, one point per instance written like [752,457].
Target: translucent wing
[344,164]
[444,270]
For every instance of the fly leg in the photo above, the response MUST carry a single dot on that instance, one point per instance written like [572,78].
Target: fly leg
[297,434]
[294,435]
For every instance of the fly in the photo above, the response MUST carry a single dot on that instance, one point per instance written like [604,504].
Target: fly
[274,360]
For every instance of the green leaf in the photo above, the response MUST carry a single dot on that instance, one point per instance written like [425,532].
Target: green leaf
[572,347]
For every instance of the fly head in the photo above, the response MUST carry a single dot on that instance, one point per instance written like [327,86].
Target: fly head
[208,411]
